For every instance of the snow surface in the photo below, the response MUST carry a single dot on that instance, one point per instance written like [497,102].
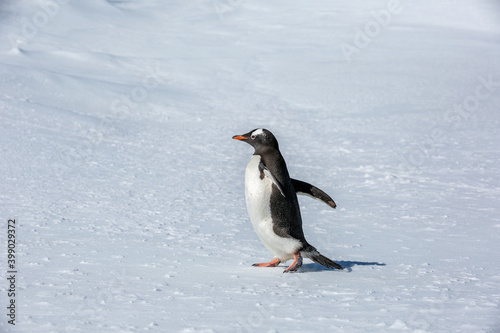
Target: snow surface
[118,163]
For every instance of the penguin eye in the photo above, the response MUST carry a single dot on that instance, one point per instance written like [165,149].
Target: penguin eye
[253,137]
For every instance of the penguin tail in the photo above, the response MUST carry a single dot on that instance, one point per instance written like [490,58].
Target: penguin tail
[313,254]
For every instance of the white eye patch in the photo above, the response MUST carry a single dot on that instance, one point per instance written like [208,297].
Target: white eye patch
[257,132]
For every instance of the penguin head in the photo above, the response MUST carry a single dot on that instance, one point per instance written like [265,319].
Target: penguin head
[259,138]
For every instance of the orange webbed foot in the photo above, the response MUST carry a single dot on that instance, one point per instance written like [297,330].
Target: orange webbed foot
[296,264]
[273,263]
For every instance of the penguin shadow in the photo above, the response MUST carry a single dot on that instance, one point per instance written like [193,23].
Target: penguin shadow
[348,265]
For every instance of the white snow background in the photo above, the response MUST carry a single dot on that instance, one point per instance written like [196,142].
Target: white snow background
[118,164]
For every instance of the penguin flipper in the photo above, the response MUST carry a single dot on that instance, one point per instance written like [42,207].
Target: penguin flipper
[268,174]
[312,191]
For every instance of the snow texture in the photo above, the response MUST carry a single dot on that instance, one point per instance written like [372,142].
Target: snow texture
[118,163]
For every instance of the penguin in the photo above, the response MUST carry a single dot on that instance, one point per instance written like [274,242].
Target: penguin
[272,204]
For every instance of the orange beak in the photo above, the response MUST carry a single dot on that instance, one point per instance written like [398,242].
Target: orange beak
[239,137]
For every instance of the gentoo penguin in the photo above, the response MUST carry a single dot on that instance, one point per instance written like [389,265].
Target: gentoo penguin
[271,199]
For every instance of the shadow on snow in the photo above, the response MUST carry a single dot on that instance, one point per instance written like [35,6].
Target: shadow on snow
[348,265]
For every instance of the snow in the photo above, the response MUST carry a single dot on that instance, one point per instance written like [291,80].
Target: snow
[118,163]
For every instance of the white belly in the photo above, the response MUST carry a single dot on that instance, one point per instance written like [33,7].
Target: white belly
[258,195]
